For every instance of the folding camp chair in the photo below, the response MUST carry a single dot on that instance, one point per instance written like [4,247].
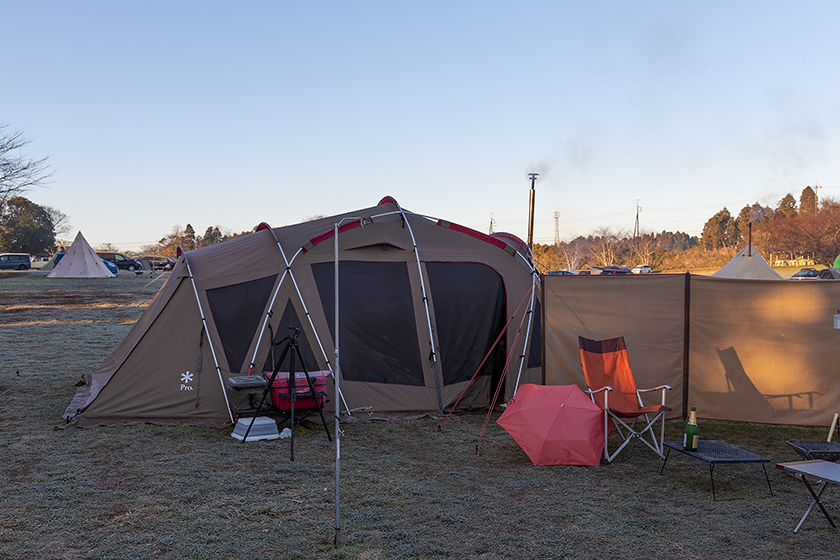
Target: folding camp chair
[610,385]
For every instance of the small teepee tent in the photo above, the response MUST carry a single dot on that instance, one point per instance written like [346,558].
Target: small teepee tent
[80,262]
[748,263]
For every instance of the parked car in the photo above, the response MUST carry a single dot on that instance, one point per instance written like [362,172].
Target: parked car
[642,269]
[15,261]
[160,262]
[108,264]
[561,273]
[122,262]
[38,262]
[615,270]
[806,273]
[111,266]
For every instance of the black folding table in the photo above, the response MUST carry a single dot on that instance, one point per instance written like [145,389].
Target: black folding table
[713,452]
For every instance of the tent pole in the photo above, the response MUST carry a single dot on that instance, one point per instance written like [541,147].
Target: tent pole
[265,322]
[303,304]
[426,306]
[686,341]
[527,330]
[318,339]
[209,339]
[337,377]
[337,535]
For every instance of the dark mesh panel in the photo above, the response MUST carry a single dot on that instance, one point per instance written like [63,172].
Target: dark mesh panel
[281,331]
[470,312]
[378,331]
[237,310]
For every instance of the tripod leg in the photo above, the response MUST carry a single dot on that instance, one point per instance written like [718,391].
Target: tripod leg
[312,390]
[292,391]
[266,390]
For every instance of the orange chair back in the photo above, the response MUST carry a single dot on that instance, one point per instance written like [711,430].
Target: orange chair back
[605,363]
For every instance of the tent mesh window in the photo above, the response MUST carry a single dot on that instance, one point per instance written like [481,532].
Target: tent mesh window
[470,312]
[378,328]
[237,310]
[288,321]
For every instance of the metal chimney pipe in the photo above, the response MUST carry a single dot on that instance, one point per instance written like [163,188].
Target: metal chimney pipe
[749,251]
[533,177]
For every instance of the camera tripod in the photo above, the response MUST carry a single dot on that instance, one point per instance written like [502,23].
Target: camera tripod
[291,346]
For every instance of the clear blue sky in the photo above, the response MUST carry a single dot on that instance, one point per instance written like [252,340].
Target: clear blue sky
[154,114]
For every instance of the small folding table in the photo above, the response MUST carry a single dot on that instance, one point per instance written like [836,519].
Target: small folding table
[713,452]
[823,471]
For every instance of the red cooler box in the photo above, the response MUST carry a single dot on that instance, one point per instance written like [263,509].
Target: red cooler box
[304,400]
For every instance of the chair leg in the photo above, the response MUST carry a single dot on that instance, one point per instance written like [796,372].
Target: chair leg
[655,446]
[606,437]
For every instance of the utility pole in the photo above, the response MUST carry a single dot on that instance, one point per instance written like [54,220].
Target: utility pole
[636,232]
[556,228]
[533,177]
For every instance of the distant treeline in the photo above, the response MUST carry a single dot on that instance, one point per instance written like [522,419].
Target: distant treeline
[809,230]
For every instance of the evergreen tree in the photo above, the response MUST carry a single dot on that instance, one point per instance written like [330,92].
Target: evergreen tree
[808,201]
[189,238]
[25,227]
[720,231]
[787,206]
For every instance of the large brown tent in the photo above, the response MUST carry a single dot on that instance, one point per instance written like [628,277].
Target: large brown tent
[421,302]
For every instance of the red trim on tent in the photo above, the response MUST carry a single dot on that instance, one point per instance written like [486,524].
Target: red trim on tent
[179,251]
[478,235]
[330,232]
[388,200]
[510,237]
[263,226]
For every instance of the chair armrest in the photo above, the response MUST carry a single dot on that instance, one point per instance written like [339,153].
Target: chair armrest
[593,391]
[654,389]
[662,388]
[605,389]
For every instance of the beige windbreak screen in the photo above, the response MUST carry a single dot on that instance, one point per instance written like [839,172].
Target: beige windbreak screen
[765,351]
[646,310]
[755,350]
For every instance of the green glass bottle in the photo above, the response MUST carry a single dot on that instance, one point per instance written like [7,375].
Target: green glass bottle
[692,433]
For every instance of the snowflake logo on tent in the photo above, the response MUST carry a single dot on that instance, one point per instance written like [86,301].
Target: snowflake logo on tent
[186,377]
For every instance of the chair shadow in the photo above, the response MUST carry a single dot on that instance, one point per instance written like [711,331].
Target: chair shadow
[742,393]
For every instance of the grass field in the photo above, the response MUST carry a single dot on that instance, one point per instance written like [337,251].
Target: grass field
[408,491]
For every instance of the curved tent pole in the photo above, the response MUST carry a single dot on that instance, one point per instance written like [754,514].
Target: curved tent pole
[265,321]
[183,253]
[425,304]
[312,326]
[288,270]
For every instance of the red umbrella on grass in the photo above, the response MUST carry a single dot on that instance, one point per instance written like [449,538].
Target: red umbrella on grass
[555,425]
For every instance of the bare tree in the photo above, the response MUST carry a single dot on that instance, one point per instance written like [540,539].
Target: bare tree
[604,246]
[18,173]
[60,221]
[571,254]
